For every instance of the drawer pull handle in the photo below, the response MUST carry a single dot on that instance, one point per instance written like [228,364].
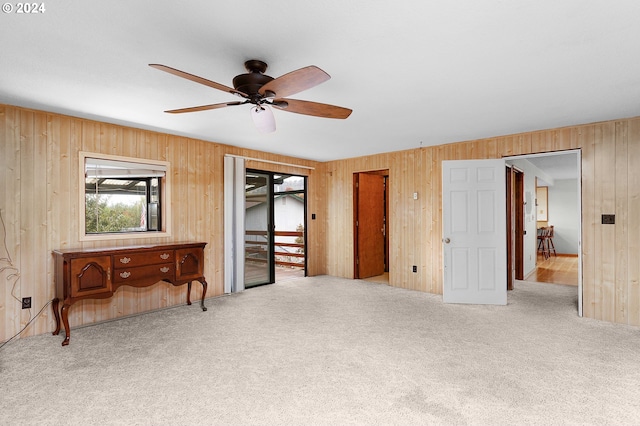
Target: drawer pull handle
[164,256]
[125,274]
[164,269]
[125,260]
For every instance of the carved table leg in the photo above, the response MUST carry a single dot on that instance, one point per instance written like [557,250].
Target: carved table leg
[65,321]
[204,292]
[55,304]
[189,293]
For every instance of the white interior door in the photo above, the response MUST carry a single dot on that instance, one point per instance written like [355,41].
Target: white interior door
[474,232]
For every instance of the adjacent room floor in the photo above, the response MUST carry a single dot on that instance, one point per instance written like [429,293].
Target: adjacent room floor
[553,270]
[556,270]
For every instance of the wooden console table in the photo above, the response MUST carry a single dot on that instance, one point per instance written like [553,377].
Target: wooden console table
[97,273]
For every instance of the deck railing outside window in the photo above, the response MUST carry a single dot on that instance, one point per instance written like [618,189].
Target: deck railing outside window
[287,253]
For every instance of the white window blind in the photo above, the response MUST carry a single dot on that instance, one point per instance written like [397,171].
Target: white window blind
[101,168]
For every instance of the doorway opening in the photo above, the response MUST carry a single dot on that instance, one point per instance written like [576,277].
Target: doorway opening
[559,172]
[371,218]
[474,208]
[275,224]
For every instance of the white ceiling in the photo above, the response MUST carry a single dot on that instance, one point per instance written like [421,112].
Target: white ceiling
[415,73]
[559,166]
[555,166]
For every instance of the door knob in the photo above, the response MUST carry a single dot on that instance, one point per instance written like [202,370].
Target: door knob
[446,240]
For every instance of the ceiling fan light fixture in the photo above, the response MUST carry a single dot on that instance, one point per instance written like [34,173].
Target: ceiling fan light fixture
[263,119]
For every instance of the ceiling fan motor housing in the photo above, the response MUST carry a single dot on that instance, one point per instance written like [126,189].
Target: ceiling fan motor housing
[251,82]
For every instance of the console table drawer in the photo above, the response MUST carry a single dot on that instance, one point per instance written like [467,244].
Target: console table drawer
[138,259]
[163,271]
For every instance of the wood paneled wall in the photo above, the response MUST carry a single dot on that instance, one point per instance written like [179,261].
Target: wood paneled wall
[39,184]
[39,195]
[610,185]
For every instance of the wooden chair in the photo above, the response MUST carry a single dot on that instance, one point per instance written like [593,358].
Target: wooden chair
[545,242]
[550,245]
[543,247]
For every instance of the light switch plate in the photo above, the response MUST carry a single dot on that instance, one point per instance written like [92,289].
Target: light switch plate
[608,219]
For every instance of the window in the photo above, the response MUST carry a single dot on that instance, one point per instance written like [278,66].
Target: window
[123,197]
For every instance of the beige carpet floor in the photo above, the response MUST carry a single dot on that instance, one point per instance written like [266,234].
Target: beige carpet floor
[325,350]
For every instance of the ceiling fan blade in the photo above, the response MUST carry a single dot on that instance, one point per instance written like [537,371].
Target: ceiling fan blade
[204,107]
[197,79]
[294,82]
[311,108]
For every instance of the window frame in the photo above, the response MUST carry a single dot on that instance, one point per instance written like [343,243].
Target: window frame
[165,197]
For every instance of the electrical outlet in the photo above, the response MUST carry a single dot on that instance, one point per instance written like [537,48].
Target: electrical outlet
[26,303]
[415,268]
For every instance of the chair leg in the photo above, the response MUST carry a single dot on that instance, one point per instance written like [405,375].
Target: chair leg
[552,247]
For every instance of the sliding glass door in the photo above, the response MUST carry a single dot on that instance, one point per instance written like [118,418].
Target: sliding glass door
[274,237]
[259,265]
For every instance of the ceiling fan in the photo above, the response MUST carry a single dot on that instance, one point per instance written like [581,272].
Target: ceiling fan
[263,91]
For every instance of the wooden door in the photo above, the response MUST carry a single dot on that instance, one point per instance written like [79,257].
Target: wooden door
[474,232]
[515,226]
[510,227]
[519,224]
[369,225]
